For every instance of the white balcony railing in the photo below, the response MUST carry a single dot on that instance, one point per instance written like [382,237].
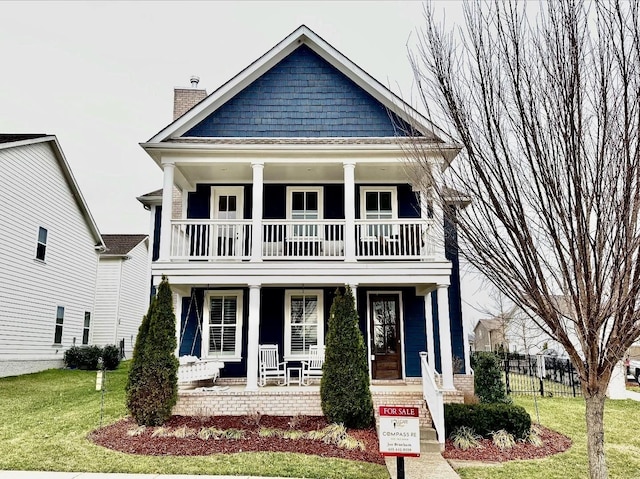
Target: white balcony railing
[400,239]
[433,396]
[303,239]
[210,239]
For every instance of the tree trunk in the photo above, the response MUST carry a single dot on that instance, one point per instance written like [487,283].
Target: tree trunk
[595,436]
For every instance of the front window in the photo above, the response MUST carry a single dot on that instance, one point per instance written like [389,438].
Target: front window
[223,311]
[86,328]
[57,337]
[304,204]
[41,248]
[304,322]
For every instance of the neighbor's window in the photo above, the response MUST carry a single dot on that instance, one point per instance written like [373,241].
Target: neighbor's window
[41,248]
[304,322]
[57,338]
[87,327]
[224,329]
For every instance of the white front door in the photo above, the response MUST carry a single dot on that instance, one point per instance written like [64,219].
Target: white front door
[227,204]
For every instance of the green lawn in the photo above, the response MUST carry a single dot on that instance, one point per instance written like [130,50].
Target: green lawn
[45,418]
[622,438]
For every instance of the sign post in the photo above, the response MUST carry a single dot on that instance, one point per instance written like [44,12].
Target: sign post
[399,434]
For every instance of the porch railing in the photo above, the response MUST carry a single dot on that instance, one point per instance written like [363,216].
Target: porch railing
[210,239]
[400,239]
[433,397]
[397,239]
[303,239]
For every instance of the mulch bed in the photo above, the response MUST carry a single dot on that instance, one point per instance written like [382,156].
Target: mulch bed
[553,443]
[115,437]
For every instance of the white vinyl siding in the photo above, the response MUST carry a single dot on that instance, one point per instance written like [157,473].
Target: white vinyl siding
[223,330]
[34,193]
[304,322]
[122,298]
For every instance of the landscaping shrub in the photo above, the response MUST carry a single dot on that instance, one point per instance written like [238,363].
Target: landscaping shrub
[87,357]
[486,418]
[344,389]
[110,357]
[487,380]
[152,388]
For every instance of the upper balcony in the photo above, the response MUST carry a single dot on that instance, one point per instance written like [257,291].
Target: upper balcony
[228,240]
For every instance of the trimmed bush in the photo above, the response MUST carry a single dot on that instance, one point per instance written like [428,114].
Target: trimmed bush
[486,418]
[110,356]
[344,389]
[152,388]
[87,357]
[487,380]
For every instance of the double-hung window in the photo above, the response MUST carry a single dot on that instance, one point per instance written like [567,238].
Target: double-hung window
[57,337]
[41,247]
[223,331]
[304,204]
[86,328]
[304,322]
[379,204]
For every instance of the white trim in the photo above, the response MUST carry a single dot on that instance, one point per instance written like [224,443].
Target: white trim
[319,293]
[305,189]
[379,189]
[206,315]
[368,324]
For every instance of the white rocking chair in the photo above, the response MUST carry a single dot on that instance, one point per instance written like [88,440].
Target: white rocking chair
[270,365]
[312,367]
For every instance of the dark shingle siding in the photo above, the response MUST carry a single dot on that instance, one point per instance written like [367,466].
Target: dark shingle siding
[302,96]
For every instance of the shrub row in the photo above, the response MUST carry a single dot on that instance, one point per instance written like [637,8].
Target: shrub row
[87,357]
[486,418]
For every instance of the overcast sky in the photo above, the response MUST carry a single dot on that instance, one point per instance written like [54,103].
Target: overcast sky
[100,75]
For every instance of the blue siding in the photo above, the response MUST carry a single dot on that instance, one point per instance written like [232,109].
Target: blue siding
[408,201]
[157,221]
[302,96]
[199,201]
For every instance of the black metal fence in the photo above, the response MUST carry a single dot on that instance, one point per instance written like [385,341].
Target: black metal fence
[543,375]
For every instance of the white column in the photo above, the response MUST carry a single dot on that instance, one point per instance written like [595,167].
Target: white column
[253,338]
[177,309]
[438,214]
[167,206]
[354,290]
[349,211]
[428,315]
[446,360]
[256,211]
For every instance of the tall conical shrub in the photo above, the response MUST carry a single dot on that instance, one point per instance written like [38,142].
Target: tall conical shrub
[152,388]
[344,390]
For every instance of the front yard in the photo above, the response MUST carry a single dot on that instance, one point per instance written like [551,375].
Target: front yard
[45,418]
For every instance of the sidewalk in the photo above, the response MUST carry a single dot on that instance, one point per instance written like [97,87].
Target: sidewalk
[428,465]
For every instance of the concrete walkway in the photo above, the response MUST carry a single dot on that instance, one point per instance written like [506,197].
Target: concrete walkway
[430,465]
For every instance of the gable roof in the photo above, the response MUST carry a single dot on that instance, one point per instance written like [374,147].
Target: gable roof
[302,36]
[490,324]
[121,245]
[18,140]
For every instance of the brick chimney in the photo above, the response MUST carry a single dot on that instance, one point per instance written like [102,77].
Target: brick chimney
[185,98]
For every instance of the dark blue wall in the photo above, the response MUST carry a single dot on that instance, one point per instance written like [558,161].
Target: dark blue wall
[302,96]
[157,221]
[199,201]
[408,202]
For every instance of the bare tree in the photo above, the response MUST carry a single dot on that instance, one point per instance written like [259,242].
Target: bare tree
[548,112]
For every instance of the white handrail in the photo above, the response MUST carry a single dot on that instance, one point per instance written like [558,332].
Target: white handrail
[210,239]
[433,397]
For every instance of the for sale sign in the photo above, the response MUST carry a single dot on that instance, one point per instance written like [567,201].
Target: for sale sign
[399,431]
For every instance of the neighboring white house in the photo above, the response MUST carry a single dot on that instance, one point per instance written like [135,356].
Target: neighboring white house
[49,246]
[122,291]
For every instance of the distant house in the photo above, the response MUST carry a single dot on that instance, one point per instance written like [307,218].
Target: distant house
[122,290]
[49,247]
[489,335]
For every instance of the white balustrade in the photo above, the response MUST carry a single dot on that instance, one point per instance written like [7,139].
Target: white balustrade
[394,239]
[303,239]
[210,239]
[433,396]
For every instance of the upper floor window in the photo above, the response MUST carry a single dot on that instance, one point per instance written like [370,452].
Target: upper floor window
[304,322]
[86,328]
[304,204]
[223,333]
[379,204]
[41,248]
[57,337]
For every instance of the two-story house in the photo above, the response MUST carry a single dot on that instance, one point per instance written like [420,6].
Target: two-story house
[290,181]
[49,247]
